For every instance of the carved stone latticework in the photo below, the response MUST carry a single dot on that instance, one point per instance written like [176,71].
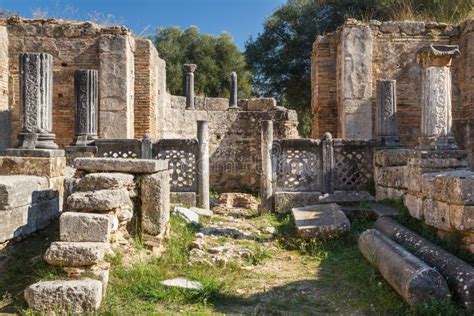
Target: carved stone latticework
[386,113]
[36,86]
[86,96]
[436,117]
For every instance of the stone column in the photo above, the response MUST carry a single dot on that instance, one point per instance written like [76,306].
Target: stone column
[233,91]
[86,96]
[328,163]
[266,190]
[189,85]
[386,128]
[36,87]
[436,115]
[203,164]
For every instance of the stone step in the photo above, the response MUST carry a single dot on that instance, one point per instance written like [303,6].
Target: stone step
[75,254]
[78,296]
[99,201]
[105,181]
[369,210]
[121,165]
[324,221]
[346,197]
[86,227]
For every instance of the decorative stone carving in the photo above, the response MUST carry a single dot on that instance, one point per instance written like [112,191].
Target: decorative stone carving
[436,117]
[36,83]
[386,113]
[86,97]
[233,91]
[189,85]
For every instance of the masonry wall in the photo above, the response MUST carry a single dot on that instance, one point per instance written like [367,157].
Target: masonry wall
[394,49]
[234,135]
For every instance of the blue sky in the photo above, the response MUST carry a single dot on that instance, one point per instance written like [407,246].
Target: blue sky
[241,18]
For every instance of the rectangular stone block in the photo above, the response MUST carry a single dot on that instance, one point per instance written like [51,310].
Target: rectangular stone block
[437,214]
[462,217]
[437,163]
[24,220]
[105,181]
[393,157]
[414,205]
[121,165]
[85,227]
[456,187]
[33,166]
[183,198]
[155,206]
[75,254]
[384,193]
[285,201]
[394,177]
[21,190]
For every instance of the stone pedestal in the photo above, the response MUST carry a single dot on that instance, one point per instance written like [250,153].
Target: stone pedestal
[233,91]
[86,97]
[436,116]
[189,85]
[386,128]
[36,82]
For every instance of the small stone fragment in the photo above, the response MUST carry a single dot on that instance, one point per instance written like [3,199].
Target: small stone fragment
[183,283]
[188,215]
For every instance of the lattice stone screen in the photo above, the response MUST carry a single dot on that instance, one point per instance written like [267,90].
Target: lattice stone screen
[118,148]
[182,155]
[297,165]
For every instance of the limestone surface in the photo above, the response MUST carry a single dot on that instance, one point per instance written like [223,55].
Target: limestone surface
[155,206]
[75,254]
[21,190]
[78,296]
[99,201]
[105,181]
[325,221]
[85,227]
[121,165]
[33,166]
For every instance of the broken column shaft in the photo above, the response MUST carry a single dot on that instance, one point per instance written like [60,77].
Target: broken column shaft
[266,177]
[36,88]
[189,85]
[459,274]
[86,97]
[386,128]
[415,281]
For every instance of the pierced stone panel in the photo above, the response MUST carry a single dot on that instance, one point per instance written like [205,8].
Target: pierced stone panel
[298,165]
[118,148]
[354,167]
[182,161]
[119,154]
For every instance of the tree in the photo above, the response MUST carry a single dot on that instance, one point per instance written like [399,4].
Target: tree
[215,56]
[280,56]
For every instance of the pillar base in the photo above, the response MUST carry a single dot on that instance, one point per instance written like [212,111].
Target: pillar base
[437,143]
[85,140]
[38,141]
[390,141]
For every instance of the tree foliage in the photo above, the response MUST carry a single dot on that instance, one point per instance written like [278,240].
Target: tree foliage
[216,58]
[280,56]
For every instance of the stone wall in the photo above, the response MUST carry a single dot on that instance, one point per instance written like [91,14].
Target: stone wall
[234,135]
[393,56]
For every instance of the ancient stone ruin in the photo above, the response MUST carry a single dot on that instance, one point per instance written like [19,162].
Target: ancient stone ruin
[90,135]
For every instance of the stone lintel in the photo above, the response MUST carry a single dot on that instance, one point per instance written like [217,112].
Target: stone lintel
[18,152]
[121,165]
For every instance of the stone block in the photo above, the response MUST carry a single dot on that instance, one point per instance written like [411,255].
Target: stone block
[75,254]
[456,187]
[155,202]
[260,104]
[183,198]
[437,164]
[414,205]
[105,181]
[21,190]
[346,197]
[285,201]
[325,221]
[436,214]
[412,28]
[24,220]
[394,177]
[46,153]
[33,166]
[393,157]
[462,217]
[85,227]
[121,165]
[78,296]
[384,193]
[100,201]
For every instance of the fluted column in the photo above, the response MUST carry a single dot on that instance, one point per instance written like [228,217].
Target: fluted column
[86,97]
[189,85]
[36,86]
[233,91]
[386,128]
[436,115]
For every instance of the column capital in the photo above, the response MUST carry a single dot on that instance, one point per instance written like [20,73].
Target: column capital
[189,68]
[438,55]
